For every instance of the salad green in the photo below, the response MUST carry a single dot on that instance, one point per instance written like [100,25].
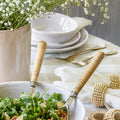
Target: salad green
[33,107]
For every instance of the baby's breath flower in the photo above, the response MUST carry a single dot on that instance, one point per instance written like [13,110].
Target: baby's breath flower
[63,5]
[106,3]
[22,11]
[43,8]
[101,8]
[1,22]
[86,11]
[1,8]
[99,4]
[17,13]
[7,1]
[106,9]
[11,28]
[7,9]
[6,14]
[94,2]
[5,24]
[3,11]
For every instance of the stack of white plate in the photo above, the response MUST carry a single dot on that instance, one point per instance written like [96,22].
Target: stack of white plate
[60,32]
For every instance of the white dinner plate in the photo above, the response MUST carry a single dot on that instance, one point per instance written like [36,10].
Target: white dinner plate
[14,89]
[83,39]
[74,40]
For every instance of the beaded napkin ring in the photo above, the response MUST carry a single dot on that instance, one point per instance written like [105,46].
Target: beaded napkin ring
[112,114]
[114,81]
[98,94]
[97,115]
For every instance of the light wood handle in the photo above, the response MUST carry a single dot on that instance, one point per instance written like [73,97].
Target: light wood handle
[89,71]
[41,47]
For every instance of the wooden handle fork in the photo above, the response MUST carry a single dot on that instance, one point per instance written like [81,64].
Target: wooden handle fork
[89,71]
[41,47]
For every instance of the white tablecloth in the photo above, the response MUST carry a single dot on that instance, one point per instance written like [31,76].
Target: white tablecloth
[110,64]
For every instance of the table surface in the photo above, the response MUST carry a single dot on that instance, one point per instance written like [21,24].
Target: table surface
[110,64]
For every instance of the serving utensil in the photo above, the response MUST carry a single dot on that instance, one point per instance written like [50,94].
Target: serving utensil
[41,47]
[86,61]
[72,57]
[84,78]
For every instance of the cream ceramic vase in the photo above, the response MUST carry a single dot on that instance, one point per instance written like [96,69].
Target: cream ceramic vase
[15,54]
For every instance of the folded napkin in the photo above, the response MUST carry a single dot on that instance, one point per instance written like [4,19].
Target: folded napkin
[70,77]
[111,100]
[82,22]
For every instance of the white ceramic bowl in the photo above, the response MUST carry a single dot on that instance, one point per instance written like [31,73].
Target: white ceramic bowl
[14,89]
[55,28]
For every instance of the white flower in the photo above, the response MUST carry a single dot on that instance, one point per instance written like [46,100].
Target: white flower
[99,4]
[106,3]
[1,22]
[94,2]
[28,9]
[7,1]
[101,8]
[86,11]
[11,4]
[22,11]
[6,14]
[5,24]
[66,3]
[106,9]
[10,13]
[3,15]
[9,23]
[63,5]
[7,9]
[106,16]
[28,19]
[43,8]
[11,28]
[17,2]
[3,11]
[1,8]
[30,1]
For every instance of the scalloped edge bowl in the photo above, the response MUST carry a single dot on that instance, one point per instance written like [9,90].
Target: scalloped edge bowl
[14,89]
[55,28]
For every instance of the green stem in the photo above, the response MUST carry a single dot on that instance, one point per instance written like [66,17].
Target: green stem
[34,105]
[44,92]
[21,22]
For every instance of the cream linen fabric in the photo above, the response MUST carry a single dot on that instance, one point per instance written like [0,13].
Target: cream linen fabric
[15,54]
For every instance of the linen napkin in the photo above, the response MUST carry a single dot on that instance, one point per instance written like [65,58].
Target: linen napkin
[70,77]
[82,22]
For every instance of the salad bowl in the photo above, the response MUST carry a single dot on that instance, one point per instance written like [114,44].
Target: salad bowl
[54,28]
[14,89]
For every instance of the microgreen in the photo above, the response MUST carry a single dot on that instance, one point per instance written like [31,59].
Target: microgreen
[32,106]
